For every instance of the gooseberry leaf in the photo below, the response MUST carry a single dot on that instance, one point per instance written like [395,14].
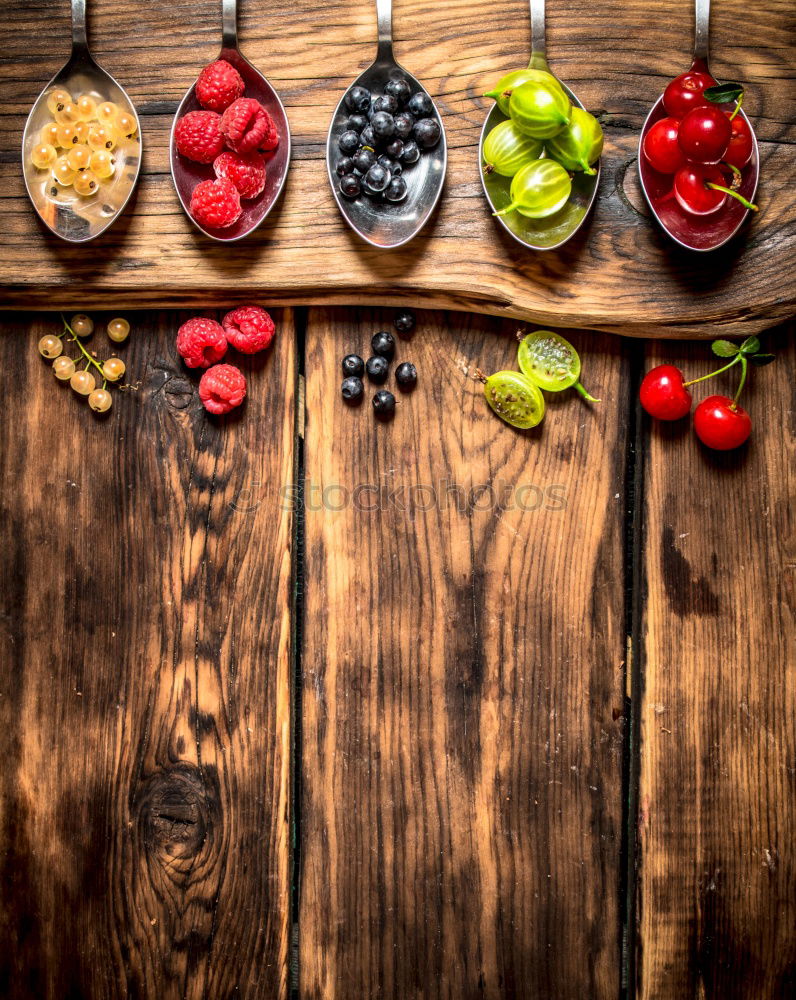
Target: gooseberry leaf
[724,93]
[762,359]
[724,349]
[750,346]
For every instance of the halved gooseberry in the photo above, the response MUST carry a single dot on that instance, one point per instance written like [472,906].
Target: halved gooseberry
[515,399]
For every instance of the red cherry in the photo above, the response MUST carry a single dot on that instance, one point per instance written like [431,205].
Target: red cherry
[739,151]
[685,92]
[705,134]
[692,192]
[720,423]
[663,393]
[661,147]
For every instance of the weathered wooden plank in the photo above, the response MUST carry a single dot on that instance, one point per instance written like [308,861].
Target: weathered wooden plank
[620,275]
[717,824]
[462,695]
[144,686]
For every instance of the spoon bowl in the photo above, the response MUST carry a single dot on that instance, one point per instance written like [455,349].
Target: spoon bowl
[384,224]
[67,214]
[556,230]
[186,174]
[696,232]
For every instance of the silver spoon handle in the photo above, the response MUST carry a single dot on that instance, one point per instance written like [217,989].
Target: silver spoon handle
[384,20]
[702,29]
[538,45]
[79,40]
[229,24]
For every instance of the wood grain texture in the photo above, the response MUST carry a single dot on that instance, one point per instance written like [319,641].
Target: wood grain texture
[620,274]
[462,693]
[144,704]
[717,825]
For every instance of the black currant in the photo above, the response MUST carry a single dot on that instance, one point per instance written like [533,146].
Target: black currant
[377,369]
[364,160]
[357,122]
[385,103]
[384,404]
[358,99]
[404,321]
[353,365]
[352,389]
[368,136]
[420,104]
[383,125]
[383,343]
[427,133]
[404,123]
[377,178]
[348,141]
[396,190]
[344,166]
[406,375]
[411,152]
[399,89]
[350,185]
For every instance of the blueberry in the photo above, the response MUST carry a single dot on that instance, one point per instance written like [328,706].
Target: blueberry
[383,344]
[364,160]
[353,365]
[395,148]
[404,321]
[404,124]
[427,133]
[358,99]
[377,369]
[386,103]
[406,375]
[348,141]
[421,105]
[356,122]
[396,189]
[384,404]
[350,186]
[344,166]
[383,125]
[377,178]
[399,89]
[368,137]
[411,152]
[352,389]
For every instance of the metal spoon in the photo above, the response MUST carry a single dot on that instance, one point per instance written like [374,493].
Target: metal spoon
[186,174]
[386,224]
[696,232]
[74,218]
[555,231]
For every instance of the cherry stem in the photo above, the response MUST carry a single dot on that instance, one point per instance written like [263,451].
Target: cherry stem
[587,396]
[742,383]
[734,194]
[718,371]
[738,104]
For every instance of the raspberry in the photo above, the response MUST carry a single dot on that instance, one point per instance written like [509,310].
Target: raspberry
[198,136]
[219,84]
[247,126]
[248,329]
[201,342]
[222,388]
[215,204]
[245,170]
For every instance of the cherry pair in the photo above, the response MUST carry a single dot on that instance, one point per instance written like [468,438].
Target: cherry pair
[719,421]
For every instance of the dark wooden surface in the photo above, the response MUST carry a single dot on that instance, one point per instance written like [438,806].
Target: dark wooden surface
[717,821]
[619,274]
[492,798]
[145,702]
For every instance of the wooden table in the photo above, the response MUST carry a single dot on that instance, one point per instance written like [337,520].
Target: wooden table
[290,700]
[299,705]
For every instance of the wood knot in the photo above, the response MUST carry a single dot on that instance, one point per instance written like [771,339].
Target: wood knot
[178,392]
[179,811]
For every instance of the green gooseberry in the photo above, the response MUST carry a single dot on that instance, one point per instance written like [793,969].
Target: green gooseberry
[506,149]
[539,189]
[515,399]
[508,83]
[539,109]
[579,144]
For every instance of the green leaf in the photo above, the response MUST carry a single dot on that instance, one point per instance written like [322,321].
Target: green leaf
[724,349]
[725,93]
[762,359]
[750,346]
